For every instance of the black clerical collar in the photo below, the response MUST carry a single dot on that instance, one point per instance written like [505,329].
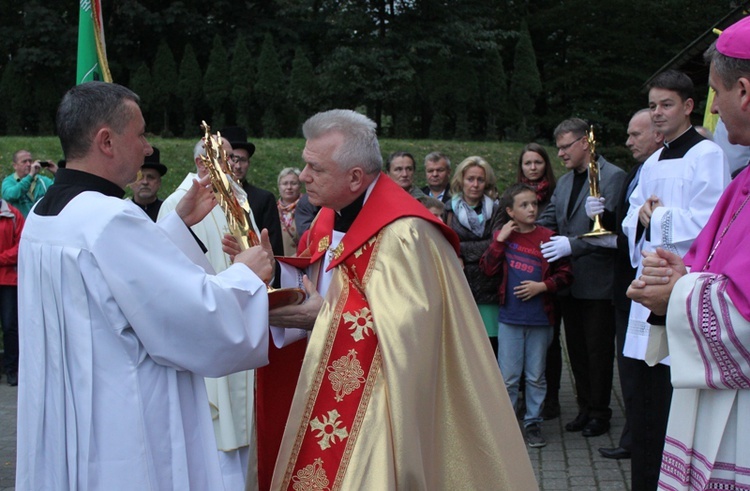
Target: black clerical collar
[677,148]
[69,183]
[344,218]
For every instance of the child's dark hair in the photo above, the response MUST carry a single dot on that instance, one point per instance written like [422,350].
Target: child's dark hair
[506,201]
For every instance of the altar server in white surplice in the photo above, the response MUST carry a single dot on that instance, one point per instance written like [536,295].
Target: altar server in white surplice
[677,190]
[120,324]
[706,299]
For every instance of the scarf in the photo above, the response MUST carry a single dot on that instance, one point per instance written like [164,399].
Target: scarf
[468,217]
[286,213]
[541,187]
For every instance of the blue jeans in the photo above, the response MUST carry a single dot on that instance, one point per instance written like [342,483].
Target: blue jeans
[523,349]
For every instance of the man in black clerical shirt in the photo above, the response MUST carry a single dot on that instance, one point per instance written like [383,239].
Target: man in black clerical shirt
[146,189]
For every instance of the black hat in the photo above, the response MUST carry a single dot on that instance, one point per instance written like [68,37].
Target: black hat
[152,162]
[237,137]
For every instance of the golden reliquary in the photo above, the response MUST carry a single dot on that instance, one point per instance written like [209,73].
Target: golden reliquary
[233,201]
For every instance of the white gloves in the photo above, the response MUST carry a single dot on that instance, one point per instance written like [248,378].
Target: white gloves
[557,248]
[594,206]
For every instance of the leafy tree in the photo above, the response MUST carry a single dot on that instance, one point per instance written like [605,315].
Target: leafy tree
[525,84]
[269,88]
[216,83]
[46,98]
[16,98]
[189,90]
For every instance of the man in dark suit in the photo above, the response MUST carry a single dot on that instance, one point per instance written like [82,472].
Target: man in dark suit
[437,169]
[588,314]
[643,140]
[262,202]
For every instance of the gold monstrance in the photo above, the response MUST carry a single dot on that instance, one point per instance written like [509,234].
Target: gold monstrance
[233,201]
[594,191]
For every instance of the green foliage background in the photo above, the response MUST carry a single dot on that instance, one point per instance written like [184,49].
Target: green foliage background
[272,155]
[433,69]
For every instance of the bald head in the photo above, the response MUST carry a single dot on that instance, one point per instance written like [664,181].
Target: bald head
[643,140]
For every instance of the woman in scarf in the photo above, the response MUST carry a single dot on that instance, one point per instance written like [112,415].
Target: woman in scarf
[289,193]
[470,214]
[534,169]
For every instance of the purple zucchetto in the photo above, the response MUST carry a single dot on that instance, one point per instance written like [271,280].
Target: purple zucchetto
[734,41]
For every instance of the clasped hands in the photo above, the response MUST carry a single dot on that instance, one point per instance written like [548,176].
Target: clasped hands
[661,270]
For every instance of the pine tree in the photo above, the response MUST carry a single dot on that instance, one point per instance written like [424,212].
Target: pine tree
[216,83]
[269,88]
[164,80]
[525,84]
[242,76]
[140,83]
[190,90]
[495,92]
[302,92]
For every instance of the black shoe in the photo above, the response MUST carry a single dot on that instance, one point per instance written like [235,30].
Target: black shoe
[596,427]
[12,379]
[577,424]
[551,410]
[616,453]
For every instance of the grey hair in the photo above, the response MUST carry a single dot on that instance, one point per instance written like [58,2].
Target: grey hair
[199,149]
[360,145]
[18,153]
[436,157]
[577,126]
[87,107]
[285,172]
[727,68]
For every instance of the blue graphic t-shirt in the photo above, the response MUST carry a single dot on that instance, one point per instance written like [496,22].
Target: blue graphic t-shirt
[524,258]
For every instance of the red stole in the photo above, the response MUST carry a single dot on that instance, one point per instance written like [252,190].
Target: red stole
[342,386]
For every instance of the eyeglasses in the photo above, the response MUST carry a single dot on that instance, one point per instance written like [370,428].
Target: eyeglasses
[237,159]
[564,148]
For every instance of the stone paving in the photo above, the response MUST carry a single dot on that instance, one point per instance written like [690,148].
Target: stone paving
[568,462]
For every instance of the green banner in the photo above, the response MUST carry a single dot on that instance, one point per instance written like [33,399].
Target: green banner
[88,68]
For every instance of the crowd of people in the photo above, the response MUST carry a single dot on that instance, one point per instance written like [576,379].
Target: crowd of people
[427,349]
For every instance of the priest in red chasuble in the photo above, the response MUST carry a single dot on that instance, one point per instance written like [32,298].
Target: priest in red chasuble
[399,388]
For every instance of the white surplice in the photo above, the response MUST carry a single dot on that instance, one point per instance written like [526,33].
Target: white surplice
[689,188]
[231,398]
[119,326]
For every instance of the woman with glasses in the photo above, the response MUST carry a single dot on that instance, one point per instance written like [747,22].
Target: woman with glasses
[289,193]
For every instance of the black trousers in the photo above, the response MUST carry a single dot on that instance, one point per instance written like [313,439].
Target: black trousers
[648,423]
[9,320]
[590,337]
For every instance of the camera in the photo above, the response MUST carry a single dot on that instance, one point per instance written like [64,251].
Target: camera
[45,163]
